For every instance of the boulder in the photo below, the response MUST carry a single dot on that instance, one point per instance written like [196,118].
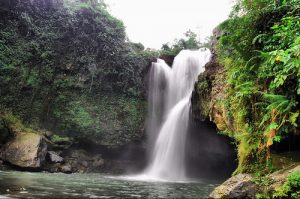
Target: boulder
[243,185]
[54,157]
[66,168]
[98,163]
[27,150]
[239,186]
[53,168]
[82,161]
[84,164]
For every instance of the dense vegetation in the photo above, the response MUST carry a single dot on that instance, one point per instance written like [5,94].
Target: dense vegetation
[260,49]
[291,188]
[190,41]
[67,66]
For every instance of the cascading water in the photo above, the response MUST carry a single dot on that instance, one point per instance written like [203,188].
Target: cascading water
[170,90]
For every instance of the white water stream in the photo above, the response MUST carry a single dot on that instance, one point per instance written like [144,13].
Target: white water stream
[170,91]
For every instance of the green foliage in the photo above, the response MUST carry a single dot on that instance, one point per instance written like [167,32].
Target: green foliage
[78,118]
[201,96]
[56,139]
[281,61]
[262,180]
[13,124]
[291,188]
[262,196]
[190,41]
[57,56]
[109,119]
[259,48]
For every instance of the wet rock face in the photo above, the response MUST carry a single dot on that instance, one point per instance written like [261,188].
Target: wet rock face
[210,87]
[25,150]
[79,160]
[239,186]
[66,168]
[75,161]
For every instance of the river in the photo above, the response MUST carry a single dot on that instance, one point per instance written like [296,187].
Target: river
[15,184]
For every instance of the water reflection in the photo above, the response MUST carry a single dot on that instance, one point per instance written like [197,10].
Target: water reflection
[46,185]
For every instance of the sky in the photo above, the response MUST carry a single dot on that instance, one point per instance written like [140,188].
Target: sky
[155,22]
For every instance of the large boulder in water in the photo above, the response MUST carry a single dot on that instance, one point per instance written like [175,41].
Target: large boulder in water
[239,186]
[27,150]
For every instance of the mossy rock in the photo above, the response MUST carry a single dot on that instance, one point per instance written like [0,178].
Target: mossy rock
[27,150]
[239,186]
[249,186]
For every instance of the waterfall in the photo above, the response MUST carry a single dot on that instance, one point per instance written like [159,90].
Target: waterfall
[170,91]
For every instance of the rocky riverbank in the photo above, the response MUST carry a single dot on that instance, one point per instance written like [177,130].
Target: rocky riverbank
[36,150]
[251,186]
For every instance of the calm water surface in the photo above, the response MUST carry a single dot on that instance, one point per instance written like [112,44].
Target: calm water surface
[49,185]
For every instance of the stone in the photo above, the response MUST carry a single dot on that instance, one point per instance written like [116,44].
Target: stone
[243,186]
[66,168]
[54,157]
[239,186]
[27,150]
[84,163]
[98,163]
[53,168]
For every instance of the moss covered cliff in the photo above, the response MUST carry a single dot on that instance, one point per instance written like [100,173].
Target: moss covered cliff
[251,91]
[66,66]
[251,87]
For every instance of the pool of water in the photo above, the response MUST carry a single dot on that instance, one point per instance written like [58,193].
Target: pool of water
[58,185]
